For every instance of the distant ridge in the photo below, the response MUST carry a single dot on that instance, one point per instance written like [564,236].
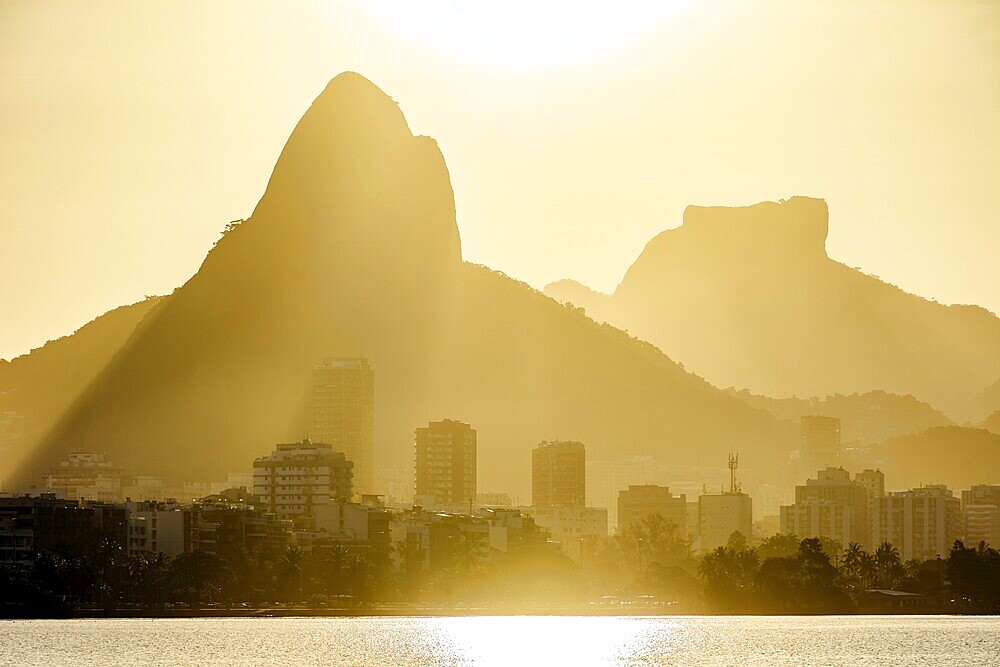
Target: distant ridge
[748,297]
[354,249]
[865,419]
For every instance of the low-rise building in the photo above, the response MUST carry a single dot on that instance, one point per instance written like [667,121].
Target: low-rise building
[438,539]
[487,499]
[158,528]
[605,478]
[234,520]
[639,501]
[512,529]
[571,525]
[297,477]
[719,516]
[356,522]
[30,525]
[86,476]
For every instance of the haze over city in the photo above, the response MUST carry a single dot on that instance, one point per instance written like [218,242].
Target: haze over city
[332,325]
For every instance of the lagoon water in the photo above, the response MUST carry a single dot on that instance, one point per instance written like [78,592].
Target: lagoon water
[506,640]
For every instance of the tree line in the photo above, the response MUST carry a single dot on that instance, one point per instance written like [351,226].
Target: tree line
[787,575]
[646,562]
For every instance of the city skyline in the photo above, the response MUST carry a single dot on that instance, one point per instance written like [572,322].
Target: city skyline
[426,332]
[297,478]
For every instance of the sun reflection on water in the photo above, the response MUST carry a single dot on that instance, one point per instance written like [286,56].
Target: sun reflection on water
[551,640]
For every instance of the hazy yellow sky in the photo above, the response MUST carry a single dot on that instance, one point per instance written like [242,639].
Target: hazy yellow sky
[130,133]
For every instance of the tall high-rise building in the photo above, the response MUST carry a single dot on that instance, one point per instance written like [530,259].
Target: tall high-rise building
[873,482]
[343,414]
[639,501]
[446,462]
[558,474]
[922,523]
[832,506]
[298,476]
[981,513]
[819,442]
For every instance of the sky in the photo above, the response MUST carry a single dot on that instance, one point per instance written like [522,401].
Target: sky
[131,133]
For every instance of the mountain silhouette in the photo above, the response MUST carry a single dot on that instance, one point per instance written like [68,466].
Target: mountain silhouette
[354,250]
[987,401]
[992,423]
[747,297]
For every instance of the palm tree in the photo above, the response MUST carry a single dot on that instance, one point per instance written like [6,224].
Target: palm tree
[853,555]
[198,574]
[471,546]
[291,568]
[154,573]
[729,576]
[867,569]
[412,557]
[888,565]
[333,567]
[109,561]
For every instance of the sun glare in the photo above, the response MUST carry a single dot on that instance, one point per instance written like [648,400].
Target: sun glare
[521,34]
[507,640]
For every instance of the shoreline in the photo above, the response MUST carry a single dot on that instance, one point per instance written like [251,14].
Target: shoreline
[422,612]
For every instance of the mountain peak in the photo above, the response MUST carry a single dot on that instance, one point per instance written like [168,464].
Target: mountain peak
[352,98]
[354,179]
[799,224]
[352,126]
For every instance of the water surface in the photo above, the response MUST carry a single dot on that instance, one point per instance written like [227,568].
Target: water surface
[510,640]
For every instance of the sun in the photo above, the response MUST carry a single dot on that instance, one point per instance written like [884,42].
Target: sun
[519,34]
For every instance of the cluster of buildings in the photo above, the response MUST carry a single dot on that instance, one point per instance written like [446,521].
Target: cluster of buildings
[30,524]
[302,481]
[321,492]
[922,522]
[90,476]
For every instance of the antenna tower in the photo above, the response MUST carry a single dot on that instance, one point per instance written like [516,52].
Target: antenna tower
[734,462]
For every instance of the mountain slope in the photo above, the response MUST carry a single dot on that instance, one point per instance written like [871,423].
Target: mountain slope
[354,249]
[38,387]
[747,297]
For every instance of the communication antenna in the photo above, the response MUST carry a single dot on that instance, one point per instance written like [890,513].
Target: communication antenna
[734,462]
